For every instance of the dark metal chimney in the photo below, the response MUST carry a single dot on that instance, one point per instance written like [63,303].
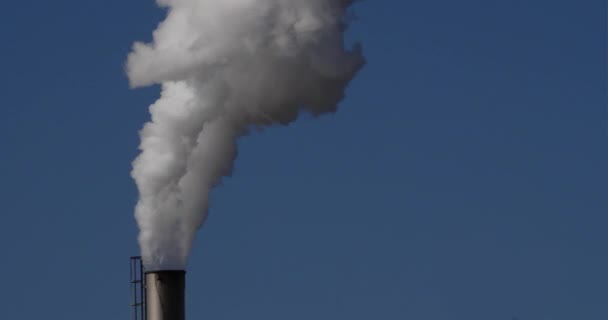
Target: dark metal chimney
[165,295]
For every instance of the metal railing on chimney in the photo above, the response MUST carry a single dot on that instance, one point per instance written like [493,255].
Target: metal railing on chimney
[138,291]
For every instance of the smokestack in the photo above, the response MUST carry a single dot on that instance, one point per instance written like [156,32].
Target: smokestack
[165,295]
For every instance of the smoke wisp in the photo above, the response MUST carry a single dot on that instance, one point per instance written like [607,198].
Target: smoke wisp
[224,67]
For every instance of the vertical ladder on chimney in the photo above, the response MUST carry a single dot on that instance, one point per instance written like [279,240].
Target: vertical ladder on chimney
[138,292]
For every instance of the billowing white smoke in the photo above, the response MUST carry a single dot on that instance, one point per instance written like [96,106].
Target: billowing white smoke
[225,66]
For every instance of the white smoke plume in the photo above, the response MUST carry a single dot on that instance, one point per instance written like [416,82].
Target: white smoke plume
[225,66]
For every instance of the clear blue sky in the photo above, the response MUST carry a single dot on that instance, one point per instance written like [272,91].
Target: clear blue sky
[464,177]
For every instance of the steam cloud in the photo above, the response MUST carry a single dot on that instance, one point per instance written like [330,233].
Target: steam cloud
[225,66]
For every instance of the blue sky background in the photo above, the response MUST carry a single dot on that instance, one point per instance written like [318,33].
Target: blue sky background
[464,177]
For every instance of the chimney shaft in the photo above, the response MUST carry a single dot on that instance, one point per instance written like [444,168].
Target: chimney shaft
[165,295]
